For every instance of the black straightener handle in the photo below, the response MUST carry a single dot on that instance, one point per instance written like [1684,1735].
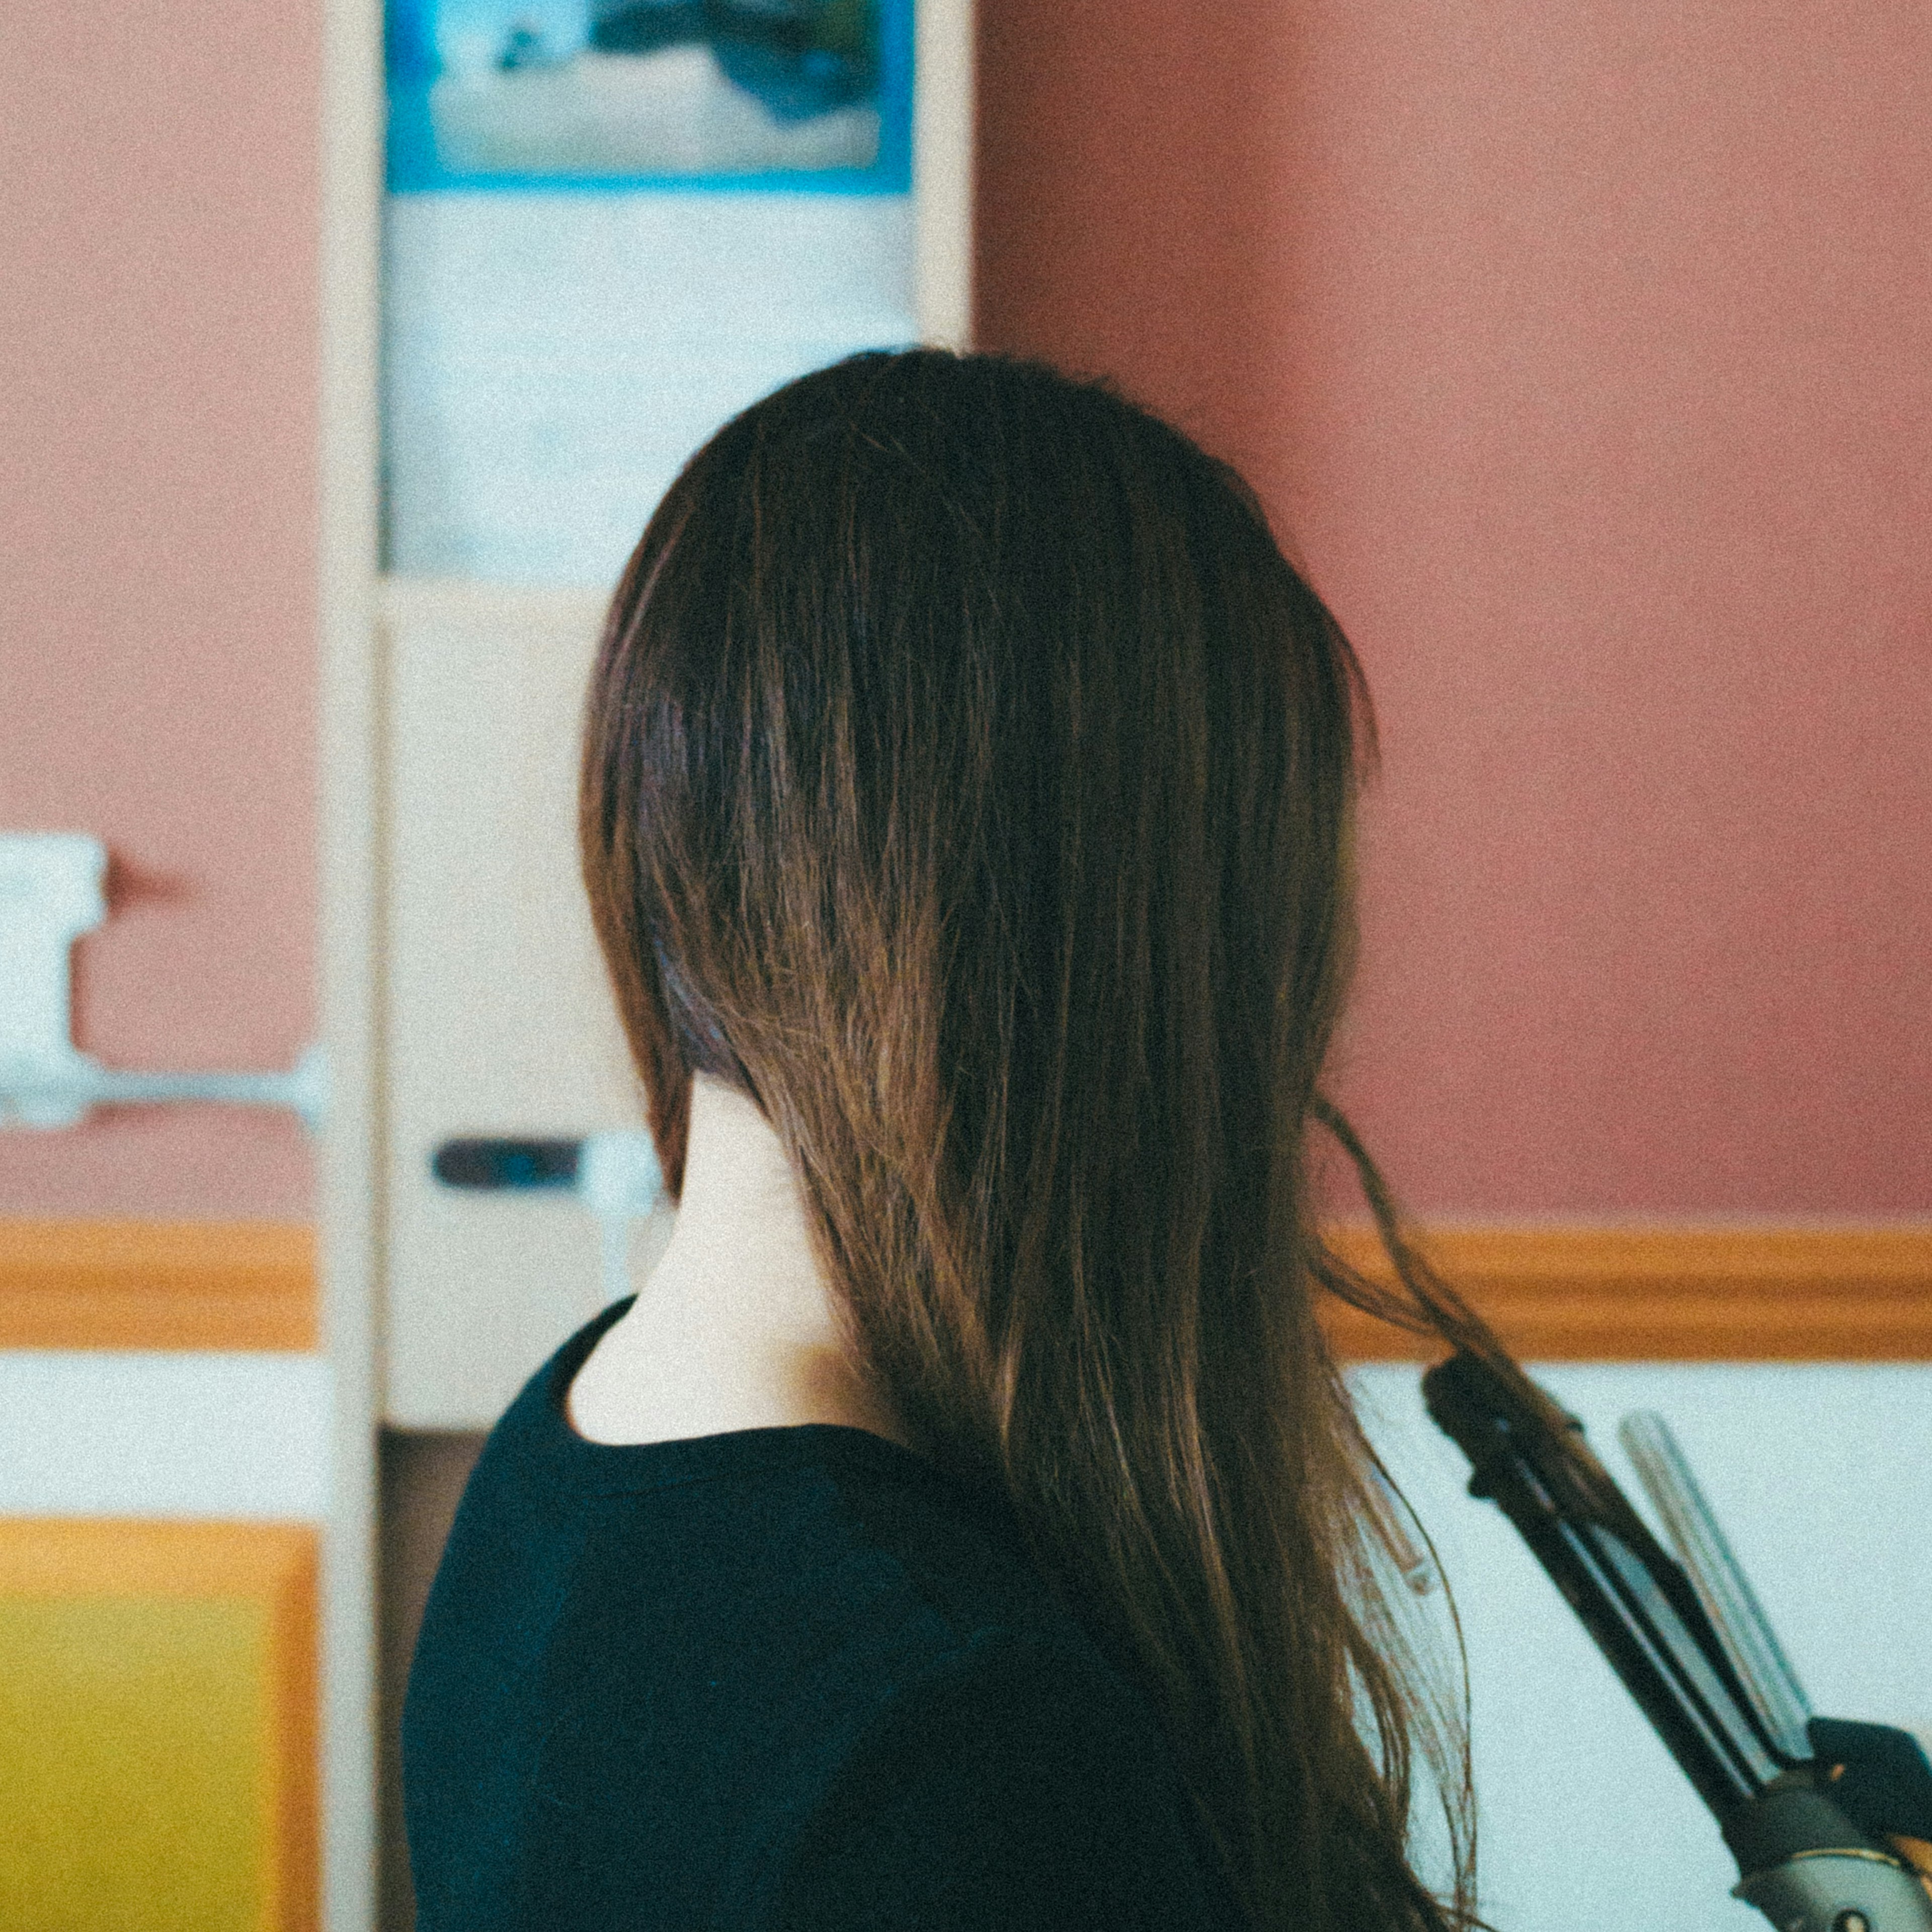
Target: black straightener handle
[1808,1814]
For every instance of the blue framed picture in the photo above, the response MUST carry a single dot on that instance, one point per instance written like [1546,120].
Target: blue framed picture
[589,94]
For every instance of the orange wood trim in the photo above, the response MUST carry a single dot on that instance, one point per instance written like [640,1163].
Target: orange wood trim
[1568,1293]
[192,1284]
[275,1565]
[1692,1294]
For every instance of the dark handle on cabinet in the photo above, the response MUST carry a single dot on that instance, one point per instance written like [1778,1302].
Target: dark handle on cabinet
[493,1162]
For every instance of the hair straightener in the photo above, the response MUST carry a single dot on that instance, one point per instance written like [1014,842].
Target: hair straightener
[1806,1805]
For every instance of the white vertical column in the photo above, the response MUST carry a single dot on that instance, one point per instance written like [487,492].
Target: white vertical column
[942,172]
[349,1164]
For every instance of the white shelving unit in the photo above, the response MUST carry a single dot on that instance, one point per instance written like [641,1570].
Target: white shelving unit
[457,980]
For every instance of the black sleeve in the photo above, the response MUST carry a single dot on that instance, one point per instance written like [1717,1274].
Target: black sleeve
[1017,1789]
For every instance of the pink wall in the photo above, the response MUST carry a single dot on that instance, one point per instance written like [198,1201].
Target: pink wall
[157,510]
[1584,354]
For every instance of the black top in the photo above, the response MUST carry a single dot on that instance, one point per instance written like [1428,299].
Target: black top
[769,1680]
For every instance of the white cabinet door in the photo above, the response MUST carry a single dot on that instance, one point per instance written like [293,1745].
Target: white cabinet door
[498,1018]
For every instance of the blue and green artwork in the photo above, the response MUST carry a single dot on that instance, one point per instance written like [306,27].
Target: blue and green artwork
[613,94]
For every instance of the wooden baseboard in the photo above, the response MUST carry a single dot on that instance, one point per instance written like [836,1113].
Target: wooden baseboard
[1575,1293]
[162,1285]
[1684,1294]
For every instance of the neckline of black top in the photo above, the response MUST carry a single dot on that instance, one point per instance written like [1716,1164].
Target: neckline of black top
[629,1466]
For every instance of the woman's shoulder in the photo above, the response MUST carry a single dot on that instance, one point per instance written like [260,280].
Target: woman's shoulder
[801,1673]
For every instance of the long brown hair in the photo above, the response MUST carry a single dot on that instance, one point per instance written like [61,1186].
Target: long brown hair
[967,781]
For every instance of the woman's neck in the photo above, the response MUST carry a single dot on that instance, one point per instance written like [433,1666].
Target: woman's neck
[733,1328]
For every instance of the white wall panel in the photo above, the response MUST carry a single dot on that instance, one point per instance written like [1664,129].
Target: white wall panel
[240,1435]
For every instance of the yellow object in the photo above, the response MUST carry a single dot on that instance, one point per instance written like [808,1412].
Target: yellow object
[157,1727]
